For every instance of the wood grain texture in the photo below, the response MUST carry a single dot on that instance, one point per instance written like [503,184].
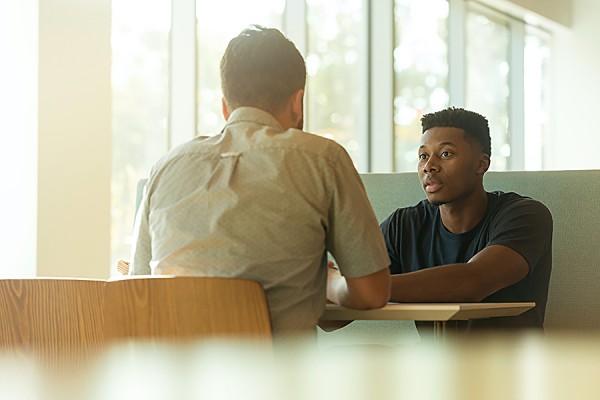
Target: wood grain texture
[175,308]
[52,318]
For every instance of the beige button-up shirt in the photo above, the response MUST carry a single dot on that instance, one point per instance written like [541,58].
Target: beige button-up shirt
[260,203]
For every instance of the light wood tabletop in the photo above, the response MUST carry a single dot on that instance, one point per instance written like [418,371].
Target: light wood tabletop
[439,313]
[427,311]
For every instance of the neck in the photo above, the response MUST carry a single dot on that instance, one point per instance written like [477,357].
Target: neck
[462,215]
[286,120]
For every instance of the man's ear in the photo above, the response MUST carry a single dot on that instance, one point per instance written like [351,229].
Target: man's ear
[297,104]
[225,109]
[297,100]
[484,163]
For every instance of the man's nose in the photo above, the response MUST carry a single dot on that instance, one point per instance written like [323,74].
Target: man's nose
[431,165]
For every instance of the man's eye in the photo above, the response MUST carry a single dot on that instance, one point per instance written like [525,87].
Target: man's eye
[422,156]
[445,154]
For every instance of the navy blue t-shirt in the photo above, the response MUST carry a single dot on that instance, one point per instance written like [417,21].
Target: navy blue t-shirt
[416,239]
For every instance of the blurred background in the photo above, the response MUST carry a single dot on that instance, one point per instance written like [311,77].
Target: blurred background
[94,92]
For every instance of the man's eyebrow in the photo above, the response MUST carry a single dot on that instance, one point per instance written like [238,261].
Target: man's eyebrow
[447,143]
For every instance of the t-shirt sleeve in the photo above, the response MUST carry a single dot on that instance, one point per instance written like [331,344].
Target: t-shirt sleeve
[391,232]
[353,238]
[526,227]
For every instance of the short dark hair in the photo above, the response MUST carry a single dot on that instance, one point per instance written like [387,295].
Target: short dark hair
[475,125]
[261,68]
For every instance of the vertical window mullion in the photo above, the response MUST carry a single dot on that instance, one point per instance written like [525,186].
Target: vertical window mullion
[381,93]
[364,117]
[456,53]
[294,24]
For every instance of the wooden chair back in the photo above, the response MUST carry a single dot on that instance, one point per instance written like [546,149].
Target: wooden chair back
[52,319]
[176,308]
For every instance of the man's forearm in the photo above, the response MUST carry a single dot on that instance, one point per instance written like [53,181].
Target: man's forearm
[364,293]
[490,270]
[448,283]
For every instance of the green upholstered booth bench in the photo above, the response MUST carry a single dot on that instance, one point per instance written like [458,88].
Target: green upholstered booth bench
[571,196]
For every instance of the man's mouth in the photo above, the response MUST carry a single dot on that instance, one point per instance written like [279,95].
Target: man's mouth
[432,185]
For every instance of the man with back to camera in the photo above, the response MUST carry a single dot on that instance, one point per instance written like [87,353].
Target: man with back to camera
[264,200]
[464,244]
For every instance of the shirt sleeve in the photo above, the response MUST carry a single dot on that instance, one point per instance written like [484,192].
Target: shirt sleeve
[390,231]
[353,237]
[526,227]
[141,252]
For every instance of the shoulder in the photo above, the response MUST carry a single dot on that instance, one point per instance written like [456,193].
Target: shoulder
[507,204]
[313,144]
[514,200]
[177,153]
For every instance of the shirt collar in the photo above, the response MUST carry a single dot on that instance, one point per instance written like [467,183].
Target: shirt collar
[252,114]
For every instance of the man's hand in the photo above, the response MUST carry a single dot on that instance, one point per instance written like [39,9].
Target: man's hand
[333,277]
[333,274]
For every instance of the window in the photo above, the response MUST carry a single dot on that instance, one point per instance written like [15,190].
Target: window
[336,62]
[374,68]
[487,75]
[537,54]
[140,87]
[420,72]
[217,24]
[496,69]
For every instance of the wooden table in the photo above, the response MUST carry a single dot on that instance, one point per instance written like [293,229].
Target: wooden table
[439,313]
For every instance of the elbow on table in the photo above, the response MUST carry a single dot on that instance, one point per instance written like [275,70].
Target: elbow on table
[370,303]
[369,292]
[378,302]
[377,298]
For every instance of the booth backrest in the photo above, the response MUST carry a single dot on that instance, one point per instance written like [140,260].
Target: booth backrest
[574,295]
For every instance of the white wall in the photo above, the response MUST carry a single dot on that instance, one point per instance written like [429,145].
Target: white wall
[575,139]
[74,159]
[18,137]
[551,11]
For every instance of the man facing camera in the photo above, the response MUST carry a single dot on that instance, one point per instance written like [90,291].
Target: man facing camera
[463,244]
[264,200]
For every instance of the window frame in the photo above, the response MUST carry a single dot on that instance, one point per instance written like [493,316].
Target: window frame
[516,98]
[377,122]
